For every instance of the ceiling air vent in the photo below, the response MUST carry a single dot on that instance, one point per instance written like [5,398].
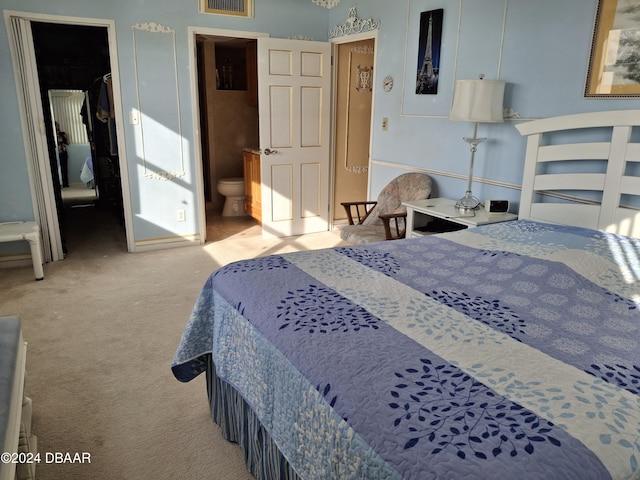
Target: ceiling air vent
[241,8]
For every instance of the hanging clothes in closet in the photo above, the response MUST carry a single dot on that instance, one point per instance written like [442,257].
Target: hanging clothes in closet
[105,112]
[99,117]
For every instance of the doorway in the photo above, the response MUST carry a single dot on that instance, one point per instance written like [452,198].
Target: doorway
[227,98]
[354,100]
[74,72]
[38,130]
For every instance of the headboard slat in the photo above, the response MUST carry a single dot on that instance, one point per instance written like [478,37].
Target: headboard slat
[611,118]
[633,152]
[630,185]
[581,215]
[573,151]
[615,170]
[625,222]
[560,181]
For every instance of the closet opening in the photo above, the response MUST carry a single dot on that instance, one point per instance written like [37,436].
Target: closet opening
[73,63]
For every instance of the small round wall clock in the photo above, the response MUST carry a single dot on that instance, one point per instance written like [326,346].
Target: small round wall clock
[387,83]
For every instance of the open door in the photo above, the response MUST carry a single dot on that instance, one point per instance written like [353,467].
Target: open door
[36,150]
[294,100]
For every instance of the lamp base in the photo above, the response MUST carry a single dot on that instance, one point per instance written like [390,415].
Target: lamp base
[467,203]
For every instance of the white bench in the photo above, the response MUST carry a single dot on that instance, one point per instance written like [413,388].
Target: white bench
[15,407]
[30,232]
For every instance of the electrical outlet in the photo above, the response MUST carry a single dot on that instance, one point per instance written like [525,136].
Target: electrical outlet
[385,124]
[182,215]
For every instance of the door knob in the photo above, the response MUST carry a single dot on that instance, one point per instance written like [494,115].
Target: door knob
[268,151]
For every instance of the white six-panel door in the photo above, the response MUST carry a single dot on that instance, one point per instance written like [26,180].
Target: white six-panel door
[294,108]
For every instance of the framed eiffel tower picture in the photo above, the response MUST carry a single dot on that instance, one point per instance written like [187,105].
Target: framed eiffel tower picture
[429,43]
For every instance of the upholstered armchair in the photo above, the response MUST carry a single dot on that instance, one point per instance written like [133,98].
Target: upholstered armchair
[384,219]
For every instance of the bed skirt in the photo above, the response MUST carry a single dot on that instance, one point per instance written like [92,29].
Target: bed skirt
[239,424]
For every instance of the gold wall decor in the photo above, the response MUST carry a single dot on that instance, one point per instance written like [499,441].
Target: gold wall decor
[614,68]
[364,78]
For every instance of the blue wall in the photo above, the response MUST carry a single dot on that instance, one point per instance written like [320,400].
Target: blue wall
[541,49]
[153,202]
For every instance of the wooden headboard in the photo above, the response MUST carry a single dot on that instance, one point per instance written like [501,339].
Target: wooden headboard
[583,170]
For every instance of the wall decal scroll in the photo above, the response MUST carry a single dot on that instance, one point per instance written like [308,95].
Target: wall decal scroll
[353,25]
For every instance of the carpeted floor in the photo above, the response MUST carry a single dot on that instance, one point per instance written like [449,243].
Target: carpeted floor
[102,328]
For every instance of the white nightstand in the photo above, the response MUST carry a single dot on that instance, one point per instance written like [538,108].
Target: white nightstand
[422,217]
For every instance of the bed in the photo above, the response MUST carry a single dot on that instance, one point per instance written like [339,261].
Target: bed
[509,350]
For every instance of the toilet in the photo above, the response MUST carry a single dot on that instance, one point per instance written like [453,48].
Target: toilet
[233,190]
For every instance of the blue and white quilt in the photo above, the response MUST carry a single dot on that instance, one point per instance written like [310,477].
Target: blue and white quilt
[507,351]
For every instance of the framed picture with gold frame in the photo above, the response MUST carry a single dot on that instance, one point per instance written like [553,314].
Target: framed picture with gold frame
[614,63]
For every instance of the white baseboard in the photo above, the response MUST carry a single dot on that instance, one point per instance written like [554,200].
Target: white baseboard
[167,242]
[16,260]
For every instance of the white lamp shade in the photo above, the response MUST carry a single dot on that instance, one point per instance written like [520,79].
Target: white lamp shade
[478,101]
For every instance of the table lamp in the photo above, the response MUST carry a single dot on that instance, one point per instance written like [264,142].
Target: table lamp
[476,101]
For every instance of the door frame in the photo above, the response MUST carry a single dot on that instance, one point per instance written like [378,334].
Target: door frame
[33,127]
[199,170]
[335,42]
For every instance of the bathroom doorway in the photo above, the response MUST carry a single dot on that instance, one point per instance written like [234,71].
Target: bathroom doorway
[227,96]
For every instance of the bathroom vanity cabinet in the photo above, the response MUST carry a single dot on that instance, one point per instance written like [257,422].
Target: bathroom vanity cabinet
[252,190]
